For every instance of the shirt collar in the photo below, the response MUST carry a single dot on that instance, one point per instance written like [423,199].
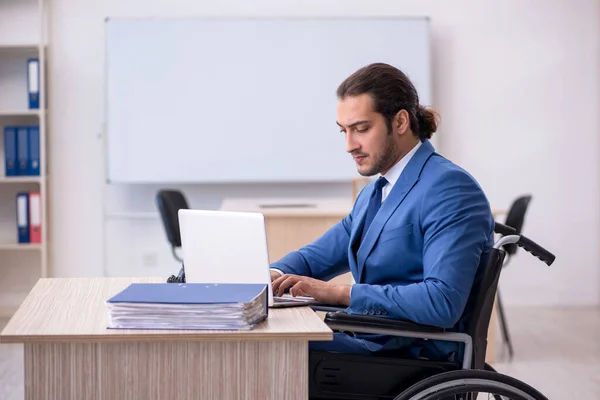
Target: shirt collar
[394,173]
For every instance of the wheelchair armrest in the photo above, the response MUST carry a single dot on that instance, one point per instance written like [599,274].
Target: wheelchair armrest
[343,322]
[368,322]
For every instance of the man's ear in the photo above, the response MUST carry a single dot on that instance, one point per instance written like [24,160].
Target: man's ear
[401,122]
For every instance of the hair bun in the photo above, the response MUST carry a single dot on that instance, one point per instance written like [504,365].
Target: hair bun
[427,121]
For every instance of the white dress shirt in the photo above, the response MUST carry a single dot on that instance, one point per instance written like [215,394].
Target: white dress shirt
[391,176]
[394,173]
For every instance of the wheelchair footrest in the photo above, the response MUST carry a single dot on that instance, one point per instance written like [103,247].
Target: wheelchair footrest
[347,376]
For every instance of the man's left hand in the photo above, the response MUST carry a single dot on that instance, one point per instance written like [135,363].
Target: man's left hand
[324,292]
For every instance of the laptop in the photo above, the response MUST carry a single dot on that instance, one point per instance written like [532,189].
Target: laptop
[229,247]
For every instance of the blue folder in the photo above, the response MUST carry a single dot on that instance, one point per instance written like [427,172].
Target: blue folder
[34,151]
[189,293]
[23,217]
[33,83]
[22,150]
[10,150]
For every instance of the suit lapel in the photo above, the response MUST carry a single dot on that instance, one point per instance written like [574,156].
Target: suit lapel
[407,180]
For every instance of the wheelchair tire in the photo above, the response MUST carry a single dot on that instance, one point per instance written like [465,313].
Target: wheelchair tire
[448,384]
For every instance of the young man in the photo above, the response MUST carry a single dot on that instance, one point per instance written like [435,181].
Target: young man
[416,238]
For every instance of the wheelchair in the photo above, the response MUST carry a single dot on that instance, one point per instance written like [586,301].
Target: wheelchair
[378,377]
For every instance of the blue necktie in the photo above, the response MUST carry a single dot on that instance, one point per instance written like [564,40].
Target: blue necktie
[374,204]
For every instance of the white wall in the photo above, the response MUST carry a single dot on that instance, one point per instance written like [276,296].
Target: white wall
[516,84]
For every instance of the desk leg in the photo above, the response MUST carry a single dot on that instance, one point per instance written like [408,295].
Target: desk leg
[167,370]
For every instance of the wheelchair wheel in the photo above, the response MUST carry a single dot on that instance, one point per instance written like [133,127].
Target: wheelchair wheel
[466,384]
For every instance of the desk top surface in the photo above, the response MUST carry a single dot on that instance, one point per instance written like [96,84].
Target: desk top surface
[74,309]
[292,207]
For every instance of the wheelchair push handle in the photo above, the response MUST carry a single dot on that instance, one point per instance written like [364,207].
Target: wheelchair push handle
[536,250]
[510,235]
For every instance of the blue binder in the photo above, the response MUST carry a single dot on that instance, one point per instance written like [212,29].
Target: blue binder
[189,293]
[34,151]
[10,150]
[33,83]
[23,217]
[22,150]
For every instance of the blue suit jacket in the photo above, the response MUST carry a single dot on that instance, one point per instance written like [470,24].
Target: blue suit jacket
[422,253]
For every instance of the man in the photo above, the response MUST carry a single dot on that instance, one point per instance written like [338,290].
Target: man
[416,239]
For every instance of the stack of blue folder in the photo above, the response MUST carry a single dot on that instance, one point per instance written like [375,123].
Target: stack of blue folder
[188,306]
[22,150]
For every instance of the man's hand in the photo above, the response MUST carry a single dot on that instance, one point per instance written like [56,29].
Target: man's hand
[325,292]
[274,275]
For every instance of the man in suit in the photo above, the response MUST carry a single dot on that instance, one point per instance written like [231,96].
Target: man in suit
[417,237]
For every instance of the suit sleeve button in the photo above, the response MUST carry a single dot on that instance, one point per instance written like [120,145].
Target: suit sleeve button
[377,312]
[365,312]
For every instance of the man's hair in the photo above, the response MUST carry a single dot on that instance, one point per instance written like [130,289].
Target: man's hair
[391,91]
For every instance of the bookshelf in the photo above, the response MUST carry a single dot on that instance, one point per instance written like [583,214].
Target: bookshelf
[23,26]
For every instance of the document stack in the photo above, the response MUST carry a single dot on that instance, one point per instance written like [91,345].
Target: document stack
[198,306]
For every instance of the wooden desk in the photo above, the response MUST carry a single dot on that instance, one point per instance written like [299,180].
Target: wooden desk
[69,353]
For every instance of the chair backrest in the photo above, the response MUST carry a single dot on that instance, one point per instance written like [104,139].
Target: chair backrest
[481,299]
[516,218]
[169,202]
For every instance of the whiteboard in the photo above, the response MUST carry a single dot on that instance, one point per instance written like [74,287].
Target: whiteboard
[202,100]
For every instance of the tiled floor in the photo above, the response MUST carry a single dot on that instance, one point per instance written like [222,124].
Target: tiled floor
[556,350]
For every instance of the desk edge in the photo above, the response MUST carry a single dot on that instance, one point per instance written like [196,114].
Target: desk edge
[178,337]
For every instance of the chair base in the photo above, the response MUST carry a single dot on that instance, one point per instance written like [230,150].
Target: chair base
[359,377]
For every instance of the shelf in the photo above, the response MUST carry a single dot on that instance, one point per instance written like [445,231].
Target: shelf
[20,113]
[23,35]
[21,179]
[19,46]
[20,246]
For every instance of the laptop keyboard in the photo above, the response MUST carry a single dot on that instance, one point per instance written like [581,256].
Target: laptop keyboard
[291,299]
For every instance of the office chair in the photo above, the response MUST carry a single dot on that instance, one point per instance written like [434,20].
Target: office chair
[515,219]
[347,376]
[169,202]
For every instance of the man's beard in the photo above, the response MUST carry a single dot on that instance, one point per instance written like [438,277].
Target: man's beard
[386,159]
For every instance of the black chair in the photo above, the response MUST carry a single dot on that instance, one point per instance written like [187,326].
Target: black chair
[169,203]
[344,376]
[515,219]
